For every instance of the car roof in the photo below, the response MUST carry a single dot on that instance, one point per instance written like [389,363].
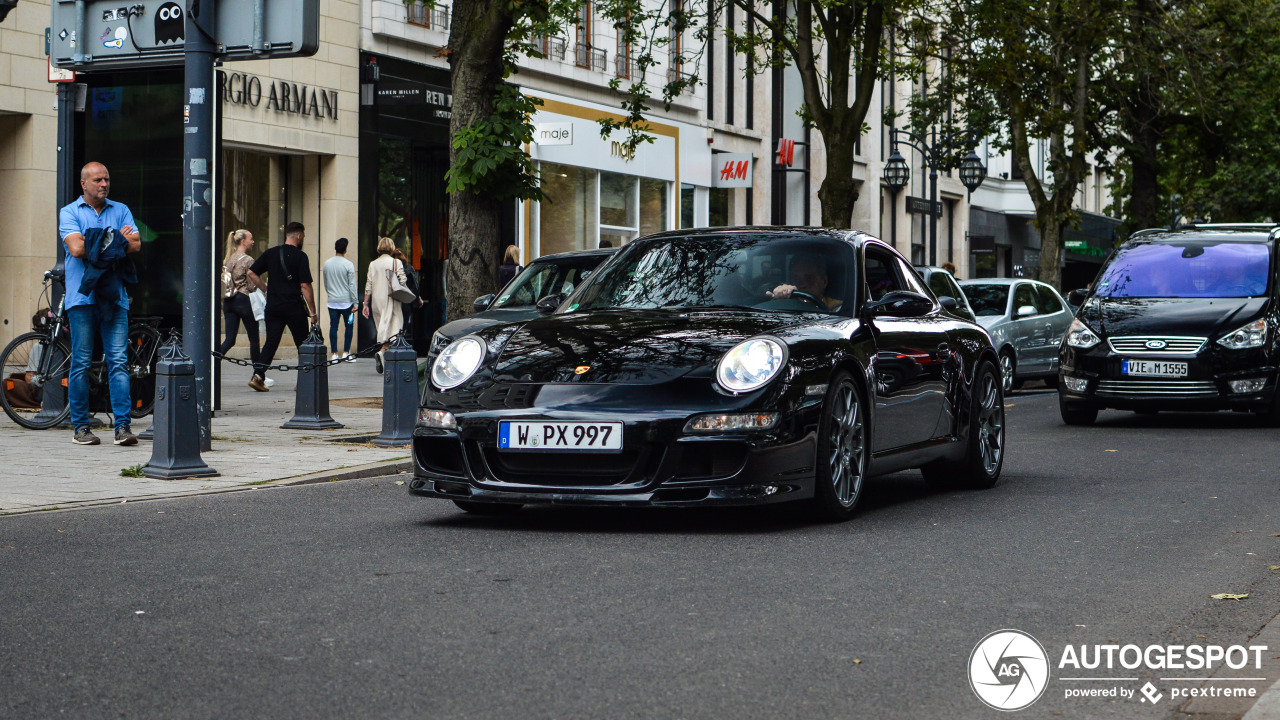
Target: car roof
[1000,281]
[779,230]
[575,255]
[1209,232]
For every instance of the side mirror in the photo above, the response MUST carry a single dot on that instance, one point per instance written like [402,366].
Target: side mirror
[899,303]
[1078,296]
[548,304]
[948,302]
[482,303]
[1024,311]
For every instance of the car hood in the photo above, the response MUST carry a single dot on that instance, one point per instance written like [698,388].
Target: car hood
[631,347]
[987,321]
[1200,317]
[471,323]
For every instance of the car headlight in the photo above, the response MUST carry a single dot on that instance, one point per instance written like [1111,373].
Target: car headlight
[750,365]
[457,362]
[1080,336]
[1250,336]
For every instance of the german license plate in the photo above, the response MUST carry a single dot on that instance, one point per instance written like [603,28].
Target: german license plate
[575,436]
[1153,368]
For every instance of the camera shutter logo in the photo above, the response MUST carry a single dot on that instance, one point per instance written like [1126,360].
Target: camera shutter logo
[1008,670]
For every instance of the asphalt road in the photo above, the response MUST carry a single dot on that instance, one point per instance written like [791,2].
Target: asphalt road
[353,599]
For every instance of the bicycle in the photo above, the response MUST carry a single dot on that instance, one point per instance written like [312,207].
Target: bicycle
[34,360]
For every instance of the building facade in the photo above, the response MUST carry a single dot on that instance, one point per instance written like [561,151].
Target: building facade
[354,142]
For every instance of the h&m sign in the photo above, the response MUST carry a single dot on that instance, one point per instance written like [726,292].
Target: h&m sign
[732,170]
[282,96]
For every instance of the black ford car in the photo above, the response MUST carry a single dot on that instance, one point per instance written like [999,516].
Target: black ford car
[718,367]
[1181,319]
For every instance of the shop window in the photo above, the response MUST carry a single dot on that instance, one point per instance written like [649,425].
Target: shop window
[254,197]
[395,194]
[653,205]
[719,207]
[686,205]
[619,221]
[567,218]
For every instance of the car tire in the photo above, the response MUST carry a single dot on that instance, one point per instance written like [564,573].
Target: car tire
[1077,413]
[484,508]
[844,450]
[984,448]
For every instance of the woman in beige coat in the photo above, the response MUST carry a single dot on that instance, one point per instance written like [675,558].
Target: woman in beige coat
[387,314]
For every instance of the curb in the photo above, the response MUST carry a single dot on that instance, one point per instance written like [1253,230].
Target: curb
[356,472]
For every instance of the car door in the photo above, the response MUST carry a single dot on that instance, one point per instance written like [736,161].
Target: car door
[1056,320]
[1027,334]
[910,388]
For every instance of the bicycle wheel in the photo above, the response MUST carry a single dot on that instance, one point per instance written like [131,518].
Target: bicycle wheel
[25,384]
[141,357]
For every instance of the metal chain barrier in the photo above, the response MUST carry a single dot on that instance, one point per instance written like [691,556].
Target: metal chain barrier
[367,352]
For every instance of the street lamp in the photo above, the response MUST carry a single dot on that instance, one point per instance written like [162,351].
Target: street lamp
[896,175]
[936,150]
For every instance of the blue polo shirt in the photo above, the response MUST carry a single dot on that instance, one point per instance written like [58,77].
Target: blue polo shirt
[79,217]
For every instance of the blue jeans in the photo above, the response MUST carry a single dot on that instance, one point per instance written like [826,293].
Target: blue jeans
[336,318]
[112,323]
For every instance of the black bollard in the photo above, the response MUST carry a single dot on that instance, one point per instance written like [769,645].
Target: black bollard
[399,394]
[175,449]
[311,406]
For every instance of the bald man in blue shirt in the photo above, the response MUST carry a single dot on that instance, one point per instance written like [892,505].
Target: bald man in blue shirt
[104,310]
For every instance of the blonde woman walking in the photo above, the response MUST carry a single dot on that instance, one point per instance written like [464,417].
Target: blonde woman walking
[236,307]
[386,311]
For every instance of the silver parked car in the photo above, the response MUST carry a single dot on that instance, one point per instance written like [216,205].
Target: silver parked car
[944,284]
[1026,319]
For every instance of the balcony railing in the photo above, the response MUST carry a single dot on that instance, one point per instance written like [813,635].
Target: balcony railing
[677,75]
[625,67]
[430,17]
[585,56]
[551,48]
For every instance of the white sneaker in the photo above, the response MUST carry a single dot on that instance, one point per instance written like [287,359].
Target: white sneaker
[348,357]
[333,356]
[268,382]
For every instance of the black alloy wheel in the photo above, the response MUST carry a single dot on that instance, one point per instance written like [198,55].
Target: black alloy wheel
[843,442]
[984,448]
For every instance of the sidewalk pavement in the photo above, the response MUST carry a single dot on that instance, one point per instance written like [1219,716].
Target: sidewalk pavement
[44,470]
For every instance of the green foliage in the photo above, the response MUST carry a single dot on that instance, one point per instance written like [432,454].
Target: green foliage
[491,156]
[133,471]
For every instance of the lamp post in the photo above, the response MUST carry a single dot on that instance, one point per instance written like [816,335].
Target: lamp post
[935,149]
[896,175]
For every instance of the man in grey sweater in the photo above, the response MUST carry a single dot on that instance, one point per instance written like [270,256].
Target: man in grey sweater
[338,277]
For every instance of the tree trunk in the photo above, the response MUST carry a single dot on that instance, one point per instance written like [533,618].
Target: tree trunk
[838,192]
[1050,224]
[475,55]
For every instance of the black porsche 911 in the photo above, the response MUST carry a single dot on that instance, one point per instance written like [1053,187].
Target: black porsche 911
[732,366]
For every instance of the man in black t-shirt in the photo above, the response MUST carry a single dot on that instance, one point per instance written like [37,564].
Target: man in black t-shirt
[290,300]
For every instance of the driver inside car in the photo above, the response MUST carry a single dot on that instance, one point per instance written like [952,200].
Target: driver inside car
[808,275]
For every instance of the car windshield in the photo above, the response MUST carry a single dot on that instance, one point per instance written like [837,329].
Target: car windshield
[1188,270]
[987,300]
[541,279]
[740,270]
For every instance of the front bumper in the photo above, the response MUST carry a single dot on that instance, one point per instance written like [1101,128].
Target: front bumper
[1207,385]
[660,464]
